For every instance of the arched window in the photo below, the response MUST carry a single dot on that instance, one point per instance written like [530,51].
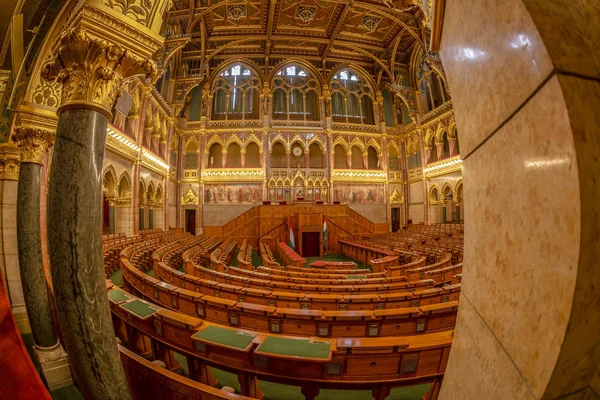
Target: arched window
[434,154]
[393,162]
[252,156]
[372,158]
[191,155]
[215,156]
[352,98]
[446,146]
[315,156]
[340,159]
[295,94]
[357,158]
[234,156]
[236,94]
[278,155]
[436,90]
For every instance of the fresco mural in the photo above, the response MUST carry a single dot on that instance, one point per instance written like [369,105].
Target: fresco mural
[359,194]
[247,193]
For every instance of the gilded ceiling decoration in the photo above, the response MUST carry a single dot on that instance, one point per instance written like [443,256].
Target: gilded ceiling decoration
[358,31]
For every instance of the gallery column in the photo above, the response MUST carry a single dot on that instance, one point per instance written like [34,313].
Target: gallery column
[91,71]
[34,143]
[137,166]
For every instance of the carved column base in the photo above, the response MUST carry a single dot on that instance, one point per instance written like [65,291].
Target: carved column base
[55,366]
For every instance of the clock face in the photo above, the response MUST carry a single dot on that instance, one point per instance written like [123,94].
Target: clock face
[297,151]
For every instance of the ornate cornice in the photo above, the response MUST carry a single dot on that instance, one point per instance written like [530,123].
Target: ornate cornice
[345,175]
[120,144]
[443,167]
[233,175]
[33,142]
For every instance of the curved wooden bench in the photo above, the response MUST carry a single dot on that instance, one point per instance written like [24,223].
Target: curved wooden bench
[297,321]
[347,363]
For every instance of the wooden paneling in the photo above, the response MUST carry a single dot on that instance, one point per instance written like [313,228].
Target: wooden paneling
[148,382]
[270,223]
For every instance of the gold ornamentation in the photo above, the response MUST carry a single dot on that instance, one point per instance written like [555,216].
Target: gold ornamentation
[137,10]
[47,93]
[33,142]
[347,175]
[236,12]
[189,198]
[9,161]
[370,22]
[91,70]
[395,197]
[306,14]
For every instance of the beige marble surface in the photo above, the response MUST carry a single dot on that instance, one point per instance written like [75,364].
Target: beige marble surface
[521,275]
[494,59]
[580,353]
[9,253]
[483,370]
[569,33]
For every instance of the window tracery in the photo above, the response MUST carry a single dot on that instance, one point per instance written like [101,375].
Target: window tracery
[351,98]
[295,94]
[236,93]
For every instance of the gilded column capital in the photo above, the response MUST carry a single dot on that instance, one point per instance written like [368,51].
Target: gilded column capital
[33,142]
[9,162]
[91,70]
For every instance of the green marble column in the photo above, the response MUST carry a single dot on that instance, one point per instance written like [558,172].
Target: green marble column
[90,68]
[30,256]
[75,243]
[34,143]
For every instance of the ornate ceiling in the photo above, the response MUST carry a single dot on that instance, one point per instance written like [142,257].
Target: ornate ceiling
[365,32]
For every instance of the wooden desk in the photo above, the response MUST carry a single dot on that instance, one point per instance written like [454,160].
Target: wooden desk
[289,256]
[382,264]
[333,265]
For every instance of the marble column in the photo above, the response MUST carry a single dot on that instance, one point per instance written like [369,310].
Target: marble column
[528,321]
[55,366]
[91,71]
[75,243]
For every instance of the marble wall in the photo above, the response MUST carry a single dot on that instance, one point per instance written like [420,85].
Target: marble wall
[375,213]
[416,213]
[219,215]
[526,93]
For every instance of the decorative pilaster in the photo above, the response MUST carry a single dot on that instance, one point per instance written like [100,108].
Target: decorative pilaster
[137,166]
[424,161]
[34,143]
[91,70]
[9,174]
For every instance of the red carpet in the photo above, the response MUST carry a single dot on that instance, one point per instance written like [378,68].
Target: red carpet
[18,378]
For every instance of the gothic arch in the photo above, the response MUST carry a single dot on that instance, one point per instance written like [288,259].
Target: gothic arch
[362,72]
[434,195]
[447,189]
[299,62]
[458,190]
[341,141]
[125,185]
[109,181]
[256,69]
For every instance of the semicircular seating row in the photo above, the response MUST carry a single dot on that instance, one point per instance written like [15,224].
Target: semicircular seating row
[390,307]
